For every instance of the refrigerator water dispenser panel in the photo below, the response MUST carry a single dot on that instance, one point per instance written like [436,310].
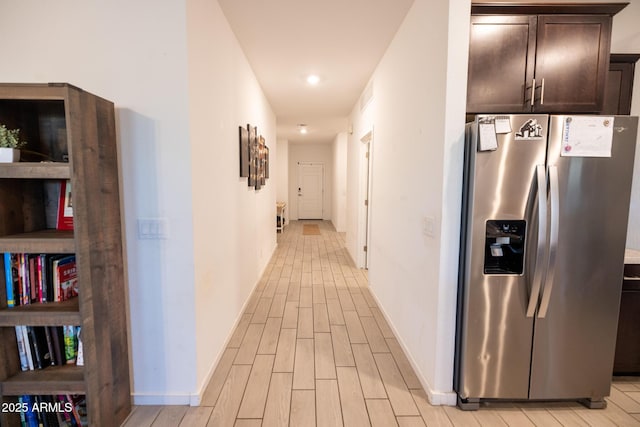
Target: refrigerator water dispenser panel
[504,246]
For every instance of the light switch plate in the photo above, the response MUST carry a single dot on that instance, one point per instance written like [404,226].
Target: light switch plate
[153,228]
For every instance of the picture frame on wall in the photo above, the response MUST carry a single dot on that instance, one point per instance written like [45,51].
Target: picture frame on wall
[261,157]
[266,162]
[253,156]
[244,151]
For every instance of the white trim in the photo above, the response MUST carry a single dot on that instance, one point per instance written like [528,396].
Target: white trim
[161,399]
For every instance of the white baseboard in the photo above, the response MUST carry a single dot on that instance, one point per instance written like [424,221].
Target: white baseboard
[436,397]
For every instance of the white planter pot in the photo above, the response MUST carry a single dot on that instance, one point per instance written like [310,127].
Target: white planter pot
[9,155]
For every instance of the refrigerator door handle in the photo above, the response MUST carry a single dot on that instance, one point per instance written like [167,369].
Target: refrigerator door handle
[554,193]
[542,237]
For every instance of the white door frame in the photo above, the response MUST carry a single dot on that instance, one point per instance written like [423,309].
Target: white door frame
[364,200]
[300,164]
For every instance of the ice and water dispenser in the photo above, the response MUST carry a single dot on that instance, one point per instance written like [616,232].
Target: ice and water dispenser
[504,247]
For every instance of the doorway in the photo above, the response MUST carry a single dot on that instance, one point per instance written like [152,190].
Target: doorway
[310,190]
[365,197]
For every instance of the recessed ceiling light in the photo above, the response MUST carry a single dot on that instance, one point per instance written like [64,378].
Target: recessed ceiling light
[302,128]
[313,79]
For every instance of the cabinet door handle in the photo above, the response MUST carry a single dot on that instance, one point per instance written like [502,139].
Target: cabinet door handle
[542,93]
[533,91]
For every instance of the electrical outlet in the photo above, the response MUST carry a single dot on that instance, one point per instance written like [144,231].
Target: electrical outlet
[153,228]
[429,226]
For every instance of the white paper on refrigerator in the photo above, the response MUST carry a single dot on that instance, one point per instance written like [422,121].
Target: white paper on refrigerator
[587,136]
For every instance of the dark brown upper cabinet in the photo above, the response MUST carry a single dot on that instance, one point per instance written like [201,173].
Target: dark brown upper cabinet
[539,58]
[619,87]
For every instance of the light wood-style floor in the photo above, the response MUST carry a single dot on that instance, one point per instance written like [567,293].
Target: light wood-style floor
[313,349]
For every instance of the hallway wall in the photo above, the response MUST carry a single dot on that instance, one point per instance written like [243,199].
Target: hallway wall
[417,112]
[142,68]
[339,190]
[179,162]
[234,225]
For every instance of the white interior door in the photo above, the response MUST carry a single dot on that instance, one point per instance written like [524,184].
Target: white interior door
[310,190]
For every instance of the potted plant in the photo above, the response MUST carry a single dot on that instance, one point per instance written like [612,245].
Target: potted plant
[10,144]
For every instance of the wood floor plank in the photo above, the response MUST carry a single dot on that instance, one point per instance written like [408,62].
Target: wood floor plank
[290,317]
[306,297]
[408,374]
[170,416]
[293,293]
[277,306]
[303,408]
[278,406]
[328,409]
[345,300]
[343,356]
[625,400]
[286,351]
[269,341]
[241,329]
[539,415]
[461,418]
[380,413]
[354,328]
[304,371]
[382,323]
[335,312]
[399,396]
[247,423]
[320,318]
[324,362]
[318,294]
[196,416]
[411,422]
[211,393]
[143,416]
[374,336]
[226,409]
[372,386]
[354,410]
[330,290]
[255,395]
[249,346]
[489,418]
[361,305]
[262,310]
[305,322]
[432,415]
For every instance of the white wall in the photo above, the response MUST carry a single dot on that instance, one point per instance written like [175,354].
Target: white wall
[339,202]
[418,116]
[162,125]
[317,153]
[234,225]
[142,68]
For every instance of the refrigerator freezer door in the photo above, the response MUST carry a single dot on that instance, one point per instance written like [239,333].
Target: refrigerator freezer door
[574,344]
[494,334]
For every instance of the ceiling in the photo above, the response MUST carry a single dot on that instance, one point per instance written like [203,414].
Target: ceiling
[341,41]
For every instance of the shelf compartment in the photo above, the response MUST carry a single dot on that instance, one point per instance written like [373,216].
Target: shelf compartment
[28,170]
[42,241]
[68,379]
[50,314]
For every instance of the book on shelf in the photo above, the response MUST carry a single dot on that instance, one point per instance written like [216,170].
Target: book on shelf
[40,278]
[42,346]
[65,207]
[53,410]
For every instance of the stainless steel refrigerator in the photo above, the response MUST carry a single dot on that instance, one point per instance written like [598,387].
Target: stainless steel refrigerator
[545,212]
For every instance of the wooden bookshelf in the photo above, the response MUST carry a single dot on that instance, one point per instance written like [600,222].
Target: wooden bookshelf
[75,131]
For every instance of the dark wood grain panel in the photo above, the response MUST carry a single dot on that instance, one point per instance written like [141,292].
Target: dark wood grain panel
[52,314]
[497,8]
[41,241]
[67,379]
[572,62]
[501,64]
[44,170]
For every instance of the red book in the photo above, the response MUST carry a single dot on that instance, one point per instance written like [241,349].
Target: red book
[65,207]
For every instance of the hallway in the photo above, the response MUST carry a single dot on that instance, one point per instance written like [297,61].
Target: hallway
[312,348]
